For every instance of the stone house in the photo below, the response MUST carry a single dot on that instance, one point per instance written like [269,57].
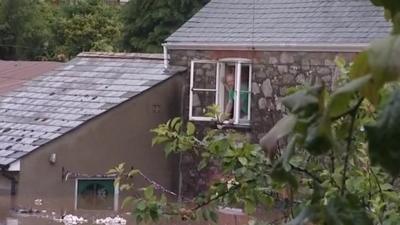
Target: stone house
[268,46]
[60,132]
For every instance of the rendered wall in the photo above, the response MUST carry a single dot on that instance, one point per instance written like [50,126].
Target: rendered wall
[121,134]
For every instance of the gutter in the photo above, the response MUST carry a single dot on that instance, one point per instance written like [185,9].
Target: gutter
[312,47]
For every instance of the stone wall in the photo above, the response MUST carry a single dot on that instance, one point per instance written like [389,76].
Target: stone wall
[273,74]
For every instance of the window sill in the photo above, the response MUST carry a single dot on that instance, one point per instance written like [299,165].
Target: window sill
[234,126]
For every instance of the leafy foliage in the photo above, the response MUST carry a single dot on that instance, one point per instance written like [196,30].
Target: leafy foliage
[339,163]
[148,23]
[90,25]
[386,130]
[20,21]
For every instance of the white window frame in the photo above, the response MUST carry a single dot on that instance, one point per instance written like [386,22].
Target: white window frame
[219,96]
[216,90]
[116,191]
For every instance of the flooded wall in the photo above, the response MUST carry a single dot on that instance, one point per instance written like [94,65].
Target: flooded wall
[120,135]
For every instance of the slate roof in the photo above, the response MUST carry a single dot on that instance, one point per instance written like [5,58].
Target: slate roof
[14,73]
[54,103]
[257,22]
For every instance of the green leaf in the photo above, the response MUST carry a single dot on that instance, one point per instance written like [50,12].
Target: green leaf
[383,136]
[319,137]
[361,68]
[302,218]
[213,216]
[287,154]
[141,205]
[127,202]
[133,172]
[265,199]
[159,140]
[175,123]
[202,164]
[304,100]
[190,128]
[280,130]
[249,207]
[279,174]
[148,192]
[383,57]
[243,161]
[339,103]
[392,5]
[345,210]
[205,213]
[125,187]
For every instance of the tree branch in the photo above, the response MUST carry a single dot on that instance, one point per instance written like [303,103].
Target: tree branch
[233,188]
[306,172]
[349,111]
[353,113]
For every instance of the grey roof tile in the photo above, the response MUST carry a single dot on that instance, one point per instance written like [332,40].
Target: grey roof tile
[50,105]
[284,22]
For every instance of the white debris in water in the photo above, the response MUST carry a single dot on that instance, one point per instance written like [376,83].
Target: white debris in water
[111,221]
[71,220]
[38,202]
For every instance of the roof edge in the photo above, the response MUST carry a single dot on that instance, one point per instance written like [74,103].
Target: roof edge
[118,55]
[317,47]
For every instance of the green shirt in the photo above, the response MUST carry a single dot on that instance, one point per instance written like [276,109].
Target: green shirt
[244,99]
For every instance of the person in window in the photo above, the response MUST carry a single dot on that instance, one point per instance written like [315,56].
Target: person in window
[244,99]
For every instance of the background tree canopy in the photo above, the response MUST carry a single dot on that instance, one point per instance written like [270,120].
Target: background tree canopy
[25,29]
[148,23]
[59,30]
[90,25]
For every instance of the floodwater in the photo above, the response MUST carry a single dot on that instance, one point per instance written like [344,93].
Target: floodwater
[9,217]
[48,217]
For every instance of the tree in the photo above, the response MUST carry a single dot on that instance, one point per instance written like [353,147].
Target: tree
[148,23]
[20,21]
[340,164]
[90,25]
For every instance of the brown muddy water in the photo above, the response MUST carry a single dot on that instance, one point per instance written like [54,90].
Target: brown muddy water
[49,217]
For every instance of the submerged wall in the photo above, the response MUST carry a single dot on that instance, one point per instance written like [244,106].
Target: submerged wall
[273,74]
[121,134]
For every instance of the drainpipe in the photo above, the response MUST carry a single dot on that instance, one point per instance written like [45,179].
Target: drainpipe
[165,50]
[12,178]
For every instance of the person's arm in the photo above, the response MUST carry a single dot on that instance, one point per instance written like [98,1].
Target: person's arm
[228,110]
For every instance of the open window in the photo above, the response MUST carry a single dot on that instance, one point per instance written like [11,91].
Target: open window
[96,194]
[226,83]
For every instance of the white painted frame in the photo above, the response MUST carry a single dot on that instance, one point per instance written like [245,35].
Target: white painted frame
[236,108]
[216,90]
[247,121]
[220,68]
[116,190]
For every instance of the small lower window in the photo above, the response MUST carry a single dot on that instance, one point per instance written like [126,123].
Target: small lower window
[96,194]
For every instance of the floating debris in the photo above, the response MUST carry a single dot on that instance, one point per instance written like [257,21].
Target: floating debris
[71,220]
[111,221]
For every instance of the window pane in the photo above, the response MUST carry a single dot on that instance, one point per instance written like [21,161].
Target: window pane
[228,95]
[205,75]
[95,194]
[244,93]
[202,99]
